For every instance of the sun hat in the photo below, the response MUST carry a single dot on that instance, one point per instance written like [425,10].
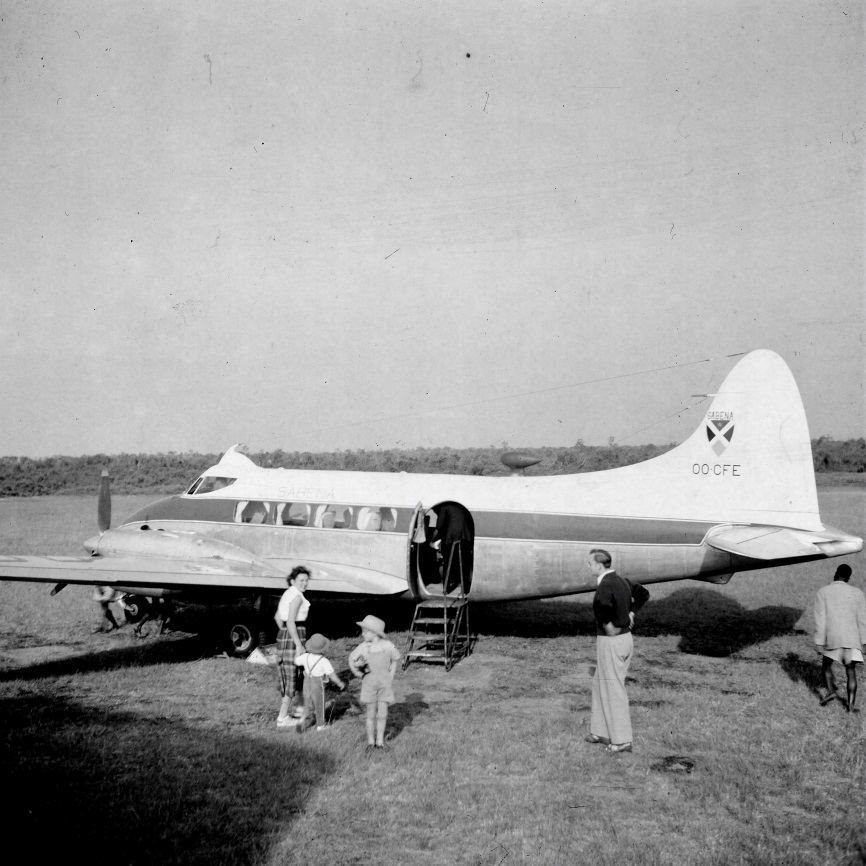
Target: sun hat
[317,643]
[373,624]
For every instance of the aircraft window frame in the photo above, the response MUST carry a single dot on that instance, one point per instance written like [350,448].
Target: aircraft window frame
[332,508]
[205,484]
[294,520]
[387,519]
[244,504]
[369,518]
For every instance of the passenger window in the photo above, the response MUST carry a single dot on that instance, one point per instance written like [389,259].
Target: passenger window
[334,517]
[294,514]
[370,519]
[377,519]
[252,512]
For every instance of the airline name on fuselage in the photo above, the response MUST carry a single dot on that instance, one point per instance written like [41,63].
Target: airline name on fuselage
[312,494]
[720,469]
[720,416]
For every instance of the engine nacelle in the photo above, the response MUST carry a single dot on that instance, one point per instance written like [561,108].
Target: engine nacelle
[183,546]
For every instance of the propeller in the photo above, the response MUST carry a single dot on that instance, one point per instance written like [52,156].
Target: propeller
[103,508]
[103,520]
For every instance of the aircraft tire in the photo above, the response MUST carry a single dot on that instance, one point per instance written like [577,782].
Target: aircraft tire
[136,607]
[241,634]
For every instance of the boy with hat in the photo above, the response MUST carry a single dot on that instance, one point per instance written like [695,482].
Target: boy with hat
[375,662]
[317,669]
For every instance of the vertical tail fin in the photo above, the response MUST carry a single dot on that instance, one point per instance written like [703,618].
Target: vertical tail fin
[750,460]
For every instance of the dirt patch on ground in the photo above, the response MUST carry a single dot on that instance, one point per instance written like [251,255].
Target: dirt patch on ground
[469,674]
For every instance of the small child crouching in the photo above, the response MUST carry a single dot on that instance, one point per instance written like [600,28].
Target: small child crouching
[316,669]
[375,661]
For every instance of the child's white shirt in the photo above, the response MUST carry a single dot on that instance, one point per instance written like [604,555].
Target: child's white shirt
[314,664]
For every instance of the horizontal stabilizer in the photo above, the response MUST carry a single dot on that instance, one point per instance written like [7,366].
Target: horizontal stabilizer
[774,542]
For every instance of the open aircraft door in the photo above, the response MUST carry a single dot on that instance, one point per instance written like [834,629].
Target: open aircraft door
[427,567]
[415,541]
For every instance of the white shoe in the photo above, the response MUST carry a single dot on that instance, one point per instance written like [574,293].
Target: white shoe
[322,728]
[288,722]
[257,657]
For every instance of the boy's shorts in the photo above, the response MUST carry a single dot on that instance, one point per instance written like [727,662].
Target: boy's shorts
[376,691]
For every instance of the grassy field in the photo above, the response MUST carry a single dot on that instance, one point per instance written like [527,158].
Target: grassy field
[163,751]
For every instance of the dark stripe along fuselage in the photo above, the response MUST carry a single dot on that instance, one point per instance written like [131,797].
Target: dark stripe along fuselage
[514,525]
[517,554]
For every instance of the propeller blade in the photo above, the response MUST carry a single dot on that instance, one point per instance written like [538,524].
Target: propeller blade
[103,509]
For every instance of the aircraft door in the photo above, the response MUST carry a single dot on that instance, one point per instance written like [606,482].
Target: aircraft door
[440,549]
[412,551]
[415,541]
[455,538]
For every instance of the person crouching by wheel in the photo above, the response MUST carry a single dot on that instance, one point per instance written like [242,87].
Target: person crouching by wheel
[291,617]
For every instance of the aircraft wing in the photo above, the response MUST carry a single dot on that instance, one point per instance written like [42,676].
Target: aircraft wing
[769,542]
[352,580]
[179,574]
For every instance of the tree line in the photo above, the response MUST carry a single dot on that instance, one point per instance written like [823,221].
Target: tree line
[174,472]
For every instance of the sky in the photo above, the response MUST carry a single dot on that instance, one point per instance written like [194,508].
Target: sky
[321,226]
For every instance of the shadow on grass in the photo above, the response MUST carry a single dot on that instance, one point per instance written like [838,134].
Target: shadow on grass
[708,622]
[195,633]
[402,714]
[150,652]
[802,671]
[100,787]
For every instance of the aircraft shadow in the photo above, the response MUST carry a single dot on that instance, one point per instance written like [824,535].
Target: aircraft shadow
[707,622]
[152,652]
[103,787]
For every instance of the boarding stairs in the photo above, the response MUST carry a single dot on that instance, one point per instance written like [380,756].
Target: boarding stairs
[440,628]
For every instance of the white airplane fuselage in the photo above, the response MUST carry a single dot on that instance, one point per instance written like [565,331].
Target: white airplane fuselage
[739,494]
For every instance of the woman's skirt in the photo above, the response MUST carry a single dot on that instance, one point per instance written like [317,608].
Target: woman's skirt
[291,675]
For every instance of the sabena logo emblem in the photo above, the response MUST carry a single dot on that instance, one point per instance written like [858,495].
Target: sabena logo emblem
[720,431]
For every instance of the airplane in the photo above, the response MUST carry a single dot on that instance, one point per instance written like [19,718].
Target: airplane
[739,494]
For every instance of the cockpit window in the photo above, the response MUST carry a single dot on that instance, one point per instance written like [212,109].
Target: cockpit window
[210,483]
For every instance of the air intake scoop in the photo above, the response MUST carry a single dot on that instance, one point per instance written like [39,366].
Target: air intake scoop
[517,461]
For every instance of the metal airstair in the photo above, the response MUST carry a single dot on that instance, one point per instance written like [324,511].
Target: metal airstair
[440,628]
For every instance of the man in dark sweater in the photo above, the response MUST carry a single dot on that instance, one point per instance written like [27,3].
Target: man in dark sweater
[614,605]
[456,531]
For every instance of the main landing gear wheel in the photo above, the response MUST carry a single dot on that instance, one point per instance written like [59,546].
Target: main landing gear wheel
[135,607]
[241,636]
